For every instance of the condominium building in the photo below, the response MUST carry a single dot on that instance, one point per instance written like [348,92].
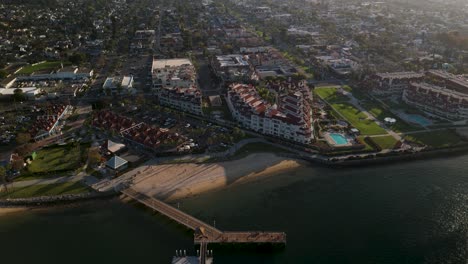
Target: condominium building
[290,118]
[175,83]
[393,84]
[441,94]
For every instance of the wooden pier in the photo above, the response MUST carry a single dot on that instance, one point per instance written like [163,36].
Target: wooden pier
[205,233]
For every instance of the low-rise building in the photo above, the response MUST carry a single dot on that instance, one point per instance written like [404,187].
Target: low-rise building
[119,85]
[231,67]
[29,92]
[46,125]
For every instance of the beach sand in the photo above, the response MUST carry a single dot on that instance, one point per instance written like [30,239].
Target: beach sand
[11,210]
[176,181]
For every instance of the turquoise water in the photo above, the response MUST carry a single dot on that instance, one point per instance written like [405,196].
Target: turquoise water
[419,119]
[339,139]
[411,212]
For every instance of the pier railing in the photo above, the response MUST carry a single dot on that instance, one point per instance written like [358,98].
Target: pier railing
[205,233]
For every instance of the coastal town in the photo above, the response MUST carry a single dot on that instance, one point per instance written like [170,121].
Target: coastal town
[160,100]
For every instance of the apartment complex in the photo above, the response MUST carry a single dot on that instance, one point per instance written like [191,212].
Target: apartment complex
[393,84]
[441,94]
[290,118]
[175,83]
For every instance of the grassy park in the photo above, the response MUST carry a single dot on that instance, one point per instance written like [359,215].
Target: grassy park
[341,105]
[436,139]
[52,162]
[44,190]
[379,112]
[358,119]
[52,65]
[330,94]
[56,159]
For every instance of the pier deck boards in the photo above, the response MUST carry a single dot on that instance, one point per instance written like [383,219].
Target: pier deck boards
[210,234]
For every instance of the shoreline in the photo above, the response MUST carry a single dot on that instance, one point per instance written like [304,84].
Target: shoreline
[375,159]
[272,165]
[173,182]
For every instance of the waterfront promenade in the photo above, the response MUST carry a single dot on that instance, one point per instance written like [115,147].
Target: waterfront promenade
[205,233]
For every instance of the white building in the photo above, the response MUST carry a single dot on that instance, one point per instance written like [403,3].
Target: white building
[290,118]
[29,92]
[119,85]
[175,83]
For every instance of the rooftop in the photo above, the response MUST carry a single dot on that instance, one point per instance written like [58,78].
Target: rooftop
[160,64]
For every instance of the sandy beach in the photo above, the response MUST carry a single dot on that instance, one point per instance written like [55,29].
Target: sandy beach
[10,210]
[176,181]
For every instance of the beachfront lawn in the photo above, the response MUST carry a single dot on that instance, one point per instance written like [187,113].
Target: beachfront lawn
[436,139]
[53,162]
[385,142]
[379,112]
[44,190]
[42,66]
[56,159]
[358,119]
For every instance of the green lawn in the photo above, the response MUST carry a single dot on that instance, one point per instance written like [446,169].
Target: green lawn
[436,139]
[377,110]
[42,66]
[45,190]
[385,142]
[56,159]
[330,94]
[368,147]
[358,119]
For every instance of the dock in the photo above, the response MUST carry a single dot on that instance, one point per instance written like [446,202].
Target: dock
[203,232]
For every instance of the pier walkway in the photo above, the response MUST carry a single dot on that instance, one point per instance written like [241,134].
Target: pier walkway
[205,233]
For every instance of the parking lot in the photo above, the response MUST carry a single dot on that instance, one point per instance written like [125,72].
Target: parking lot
[200,136]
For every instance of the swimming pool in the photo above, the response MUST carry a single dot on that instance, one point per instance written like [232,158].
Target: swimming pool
[339,139]
[418,119]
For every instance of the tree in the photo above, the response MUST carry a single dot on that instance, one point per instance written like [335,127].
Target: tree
[77,58]
[3,74]
[18,95]
[2,174]
[94,157]
[23,138]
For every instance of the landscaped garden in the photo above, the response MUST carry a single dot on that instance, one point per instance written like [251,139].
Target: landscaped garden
[385,142]
[379,112]
[358,119]
[330,94]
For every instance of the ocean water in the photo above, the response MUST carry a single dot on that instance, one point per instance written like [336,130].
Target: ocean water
[412,212]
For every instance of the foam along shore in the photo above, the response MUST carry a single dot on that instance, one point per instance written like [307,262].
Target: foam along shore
[177,181]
